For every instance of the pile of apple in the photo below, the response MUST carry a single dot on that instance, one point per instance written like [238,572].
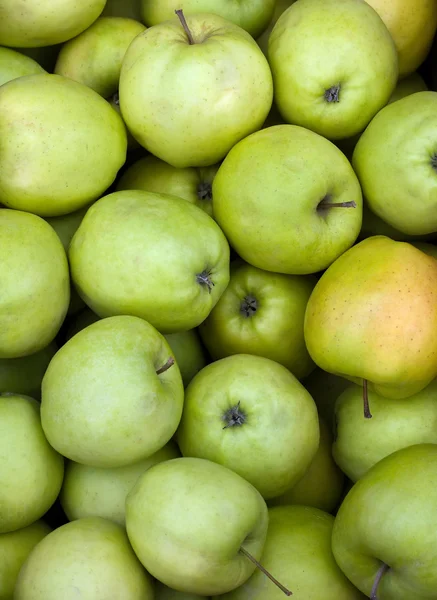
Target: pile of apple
[218,300]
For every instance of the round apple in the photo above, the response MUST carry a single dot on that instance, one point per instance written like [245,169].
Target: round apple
[24,375]
[288,200]
[14,64]
[112,395]
[253,416]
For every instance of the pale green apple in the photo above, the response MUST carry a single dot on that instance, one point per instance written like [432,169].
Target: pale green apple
[77,158]
[252,15]
[154,175]
[129,9]
[188,521]
[372,316]
[322,484]
[162,592]
[88,559]
[112,395]
[15,547]
[188,351]
[150,255]
[314,50]
[298,552]
[276,198]
[360,443]
[34,284]
[251,415]
[396,163]
[45,22]
[261,313]
[94,57]
[31,470]
[325,388]
[24,375]
[188,100]
[280,7]
[95,492]
[14,64]
[387,525]
[409,85]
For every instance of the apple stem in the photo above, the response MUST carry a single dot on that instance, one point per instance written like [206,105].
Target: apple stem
[164,368]
[374,593]
[263,570]
[204,190]
[349,204]
[180,14]
[367,413]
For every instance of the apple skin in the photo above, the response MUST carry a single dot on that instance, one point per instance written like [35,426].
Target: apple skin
[15,547]
[389,516]
[315,47]
[24,375]
[251,15]
[325,388]
[361,443]
[186,520]
[95,492]
[273,329]
[13,64]
[409,85]
[280,7]
[189,353]
[94,57]
[31,469]
[374,225]
[88,559]
[210,94]
[398,192]
[362,311]
[76,160]
[412,27]
[322,484]
[298,553]
[129,9]
[34,283]
[154,175]
[103,402]
[429,249]
[275,222]
[279,436]
[150,255]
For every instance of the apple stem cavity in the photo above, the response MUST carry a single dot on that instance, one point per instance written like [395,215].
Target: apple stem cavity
[234,417]
[263,570]
[249,306]
[116,99]
[204,278]
[332,94]
[180,14]
[382,569]
[325,203]
[204,190]
[367,413]
[434,161]
[164,368]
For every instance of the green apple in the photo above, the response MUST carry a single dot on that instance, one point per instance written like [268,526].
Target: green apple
[387,158]
[325,388]
[280,7]
[77,158]
[298,205]
[154,175]
[15,547]
[162,592]
[298,552]
[385,533]
[322,484]
[409,85]
[34,284]
[14,64]
[31,470]
[88,559]
[189,353]
[151,255]
[24,375]
[96,492]
[252,15]
[372,317]
[361,443]
[45,22]
[113,394]
[94,57]
[313,52]
[189,521]
[261,313]
[129,9]
[189,95]
[251,415]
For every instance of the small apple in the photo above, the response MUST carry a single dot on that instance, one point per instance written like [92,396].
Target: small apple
[190,89]
[14,64]
[24,375]
[298,205]
[88,559]
[112,395]
[31,470]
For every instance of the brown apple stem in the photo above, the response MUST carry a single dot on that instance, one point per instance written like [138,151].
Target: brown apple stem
[367,413]
[350,204]
[164,368]
[180,14]
[382,569]
[263,570]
